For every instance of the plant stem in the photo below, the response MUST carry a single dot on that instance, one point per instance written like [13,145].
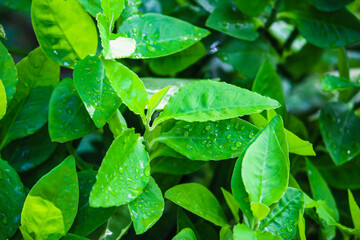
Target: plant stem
[290,40]
[273,13]
[80,163]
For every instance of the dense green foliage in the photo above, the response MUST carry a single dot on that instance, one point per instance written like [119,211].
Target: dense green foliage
[179,119]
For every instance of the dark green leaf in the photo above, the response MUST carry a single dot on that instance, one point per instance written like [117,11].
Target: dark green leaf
[330,83]
[330,5]
[127,160]
[199,200]
[88,218]
[253,8]
[68,118]
[12,197]
[51,206]
[323,29]
[247,57]
[155,39]
[170,65]
[228,19]
[95,90]
[64,30]
[284,218]
[339,129]
[175,166]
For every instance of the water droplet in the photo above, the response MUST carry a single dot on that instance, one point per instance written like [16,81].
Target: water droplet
[251,134]
[186,126]
[147,171]
[208,127]
[156,35]
[134,30]
[186,134]
[4,218]
[150,48]
[348,152]
[188,146]
[233,148]
[228,127]
[228,136]
[242,128]
[238,144]
[121,170]
[208,145]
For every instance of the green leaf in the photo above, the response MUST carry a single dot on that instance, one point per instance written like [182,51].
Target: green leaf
[330,83]
[226,234]
[117,123]
[127,85]
[170,65]
[330,5]
[228,19]
[247,57]
[301,227]
[265,169]
[37,77]
[209,140]
[88,219]
[154,101]
[208,100]
[267,83]
[320,189]
[339,128]
[155,39]
[241,231]
[2,32]
[267,236]
[12,197]
[183,221]
[22,5]
[233,205]
[354,210]
[259,210]
[185,234]
[51,205]
[112,9]
[3,101]
[125,159]
[64,30]
[8,73]
[154,85]
[284,218]
[175,166]
[114,45]
[95,90]
[147,209]
[199,200]
[323,29]
[26,153]
[238,188]
[68,118]
[253,8]
[91,6]
[118,224]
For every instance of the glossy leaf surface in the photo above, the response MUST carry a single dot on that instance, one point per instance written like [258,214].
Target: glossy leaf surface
[64,30]
[118,224]
[12,197]
[88,218]
[208,100]
[147,209]
[338,126]
[8,73]
[3,101]
[94,89]
[175,166]
[123,173]
[68,118]
[231,202]
[265,169]
[186,233]
[330,83]
[284,218]
[228,19]
[209,140]
[155,39]
[241,231]
[51,205]
[253,8]
[91,6]
[198,200]
[128,86]
[330,5]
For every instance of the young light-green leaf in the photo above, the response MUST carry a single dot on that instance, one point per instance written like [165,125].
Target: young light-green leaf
[354,210]
[64,30]
[155,39]
[51,205]
[241,231]
[147,209]
[94,89]
[124,172]
[128,86]
[8,73]
[154,102]
[185,234]
[3,101]
[211,101]
[199,200]
[233,205]
[265,169]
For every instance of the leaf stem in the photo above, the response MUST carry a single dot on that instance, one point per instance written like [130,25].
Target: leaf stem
[273,13]
[80,163]
[290,40]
